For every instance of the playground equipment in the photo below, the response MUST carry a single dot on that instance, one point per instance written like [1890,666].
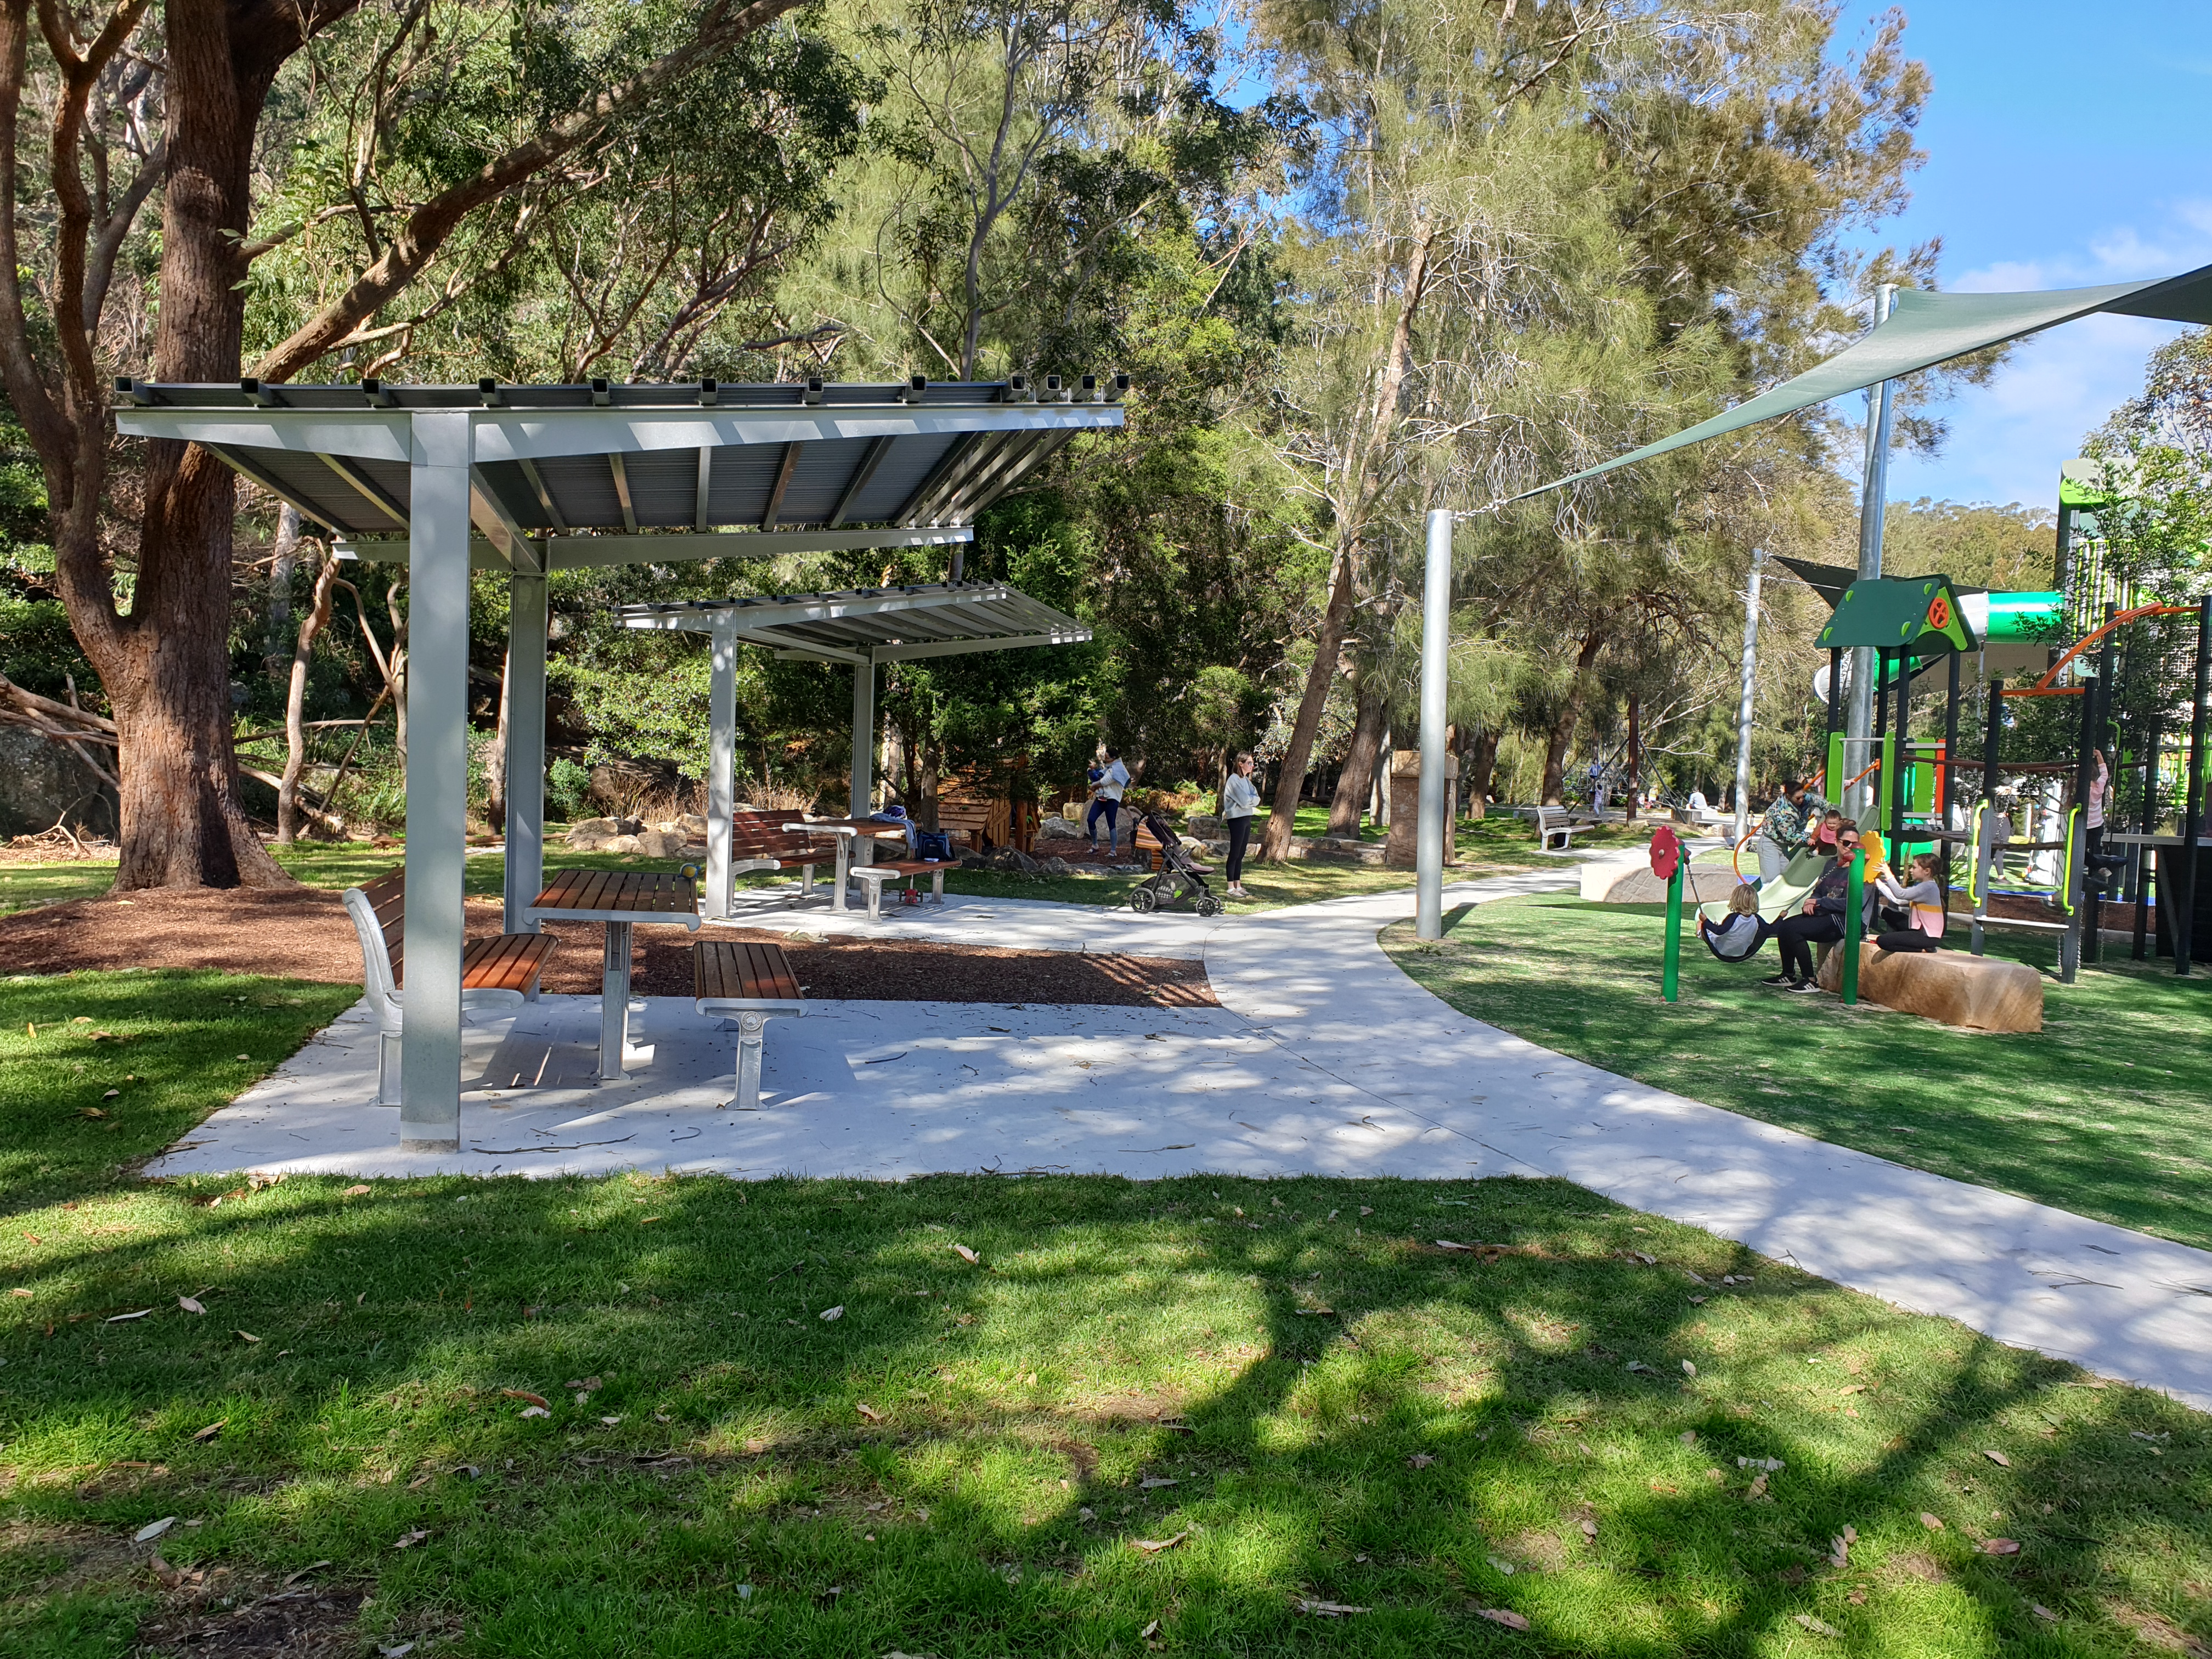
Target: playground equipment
[1918,798]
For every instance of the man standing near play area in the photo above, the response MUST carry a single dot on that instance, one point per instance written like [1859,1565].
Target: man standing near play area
[1782,832]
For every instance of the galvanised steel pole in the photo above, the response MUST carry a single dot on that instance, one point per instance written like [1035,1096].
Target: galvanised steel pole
[1436,644]
[1743,698]
[1874,492]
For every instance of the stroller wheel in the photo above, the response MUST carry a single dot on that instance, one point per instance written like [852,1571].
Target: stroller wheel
[1144,901]
[1209,904]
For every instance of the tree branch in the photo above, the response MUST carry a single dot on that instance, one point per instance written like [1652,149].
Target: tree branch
[426,228]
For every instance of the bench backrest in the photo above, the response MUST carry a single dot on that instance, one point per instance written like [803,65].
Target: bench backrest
[762,834]
[378,909]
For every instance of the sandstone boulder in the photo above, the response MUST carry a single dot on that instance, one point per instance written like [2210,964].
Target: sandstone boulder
[593,834]
[1204,825]
[1952,987]
[618,844]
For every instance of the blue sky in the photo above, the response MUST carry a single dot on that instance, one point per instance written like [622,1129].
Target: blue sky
[2067,144]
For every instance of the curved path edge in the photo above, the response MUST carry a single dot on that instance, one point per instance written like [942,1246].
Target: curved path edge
[1452,1096]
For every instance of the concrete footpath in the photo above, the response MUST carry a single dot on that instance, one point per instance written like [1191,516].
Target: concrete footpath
[1323,1058]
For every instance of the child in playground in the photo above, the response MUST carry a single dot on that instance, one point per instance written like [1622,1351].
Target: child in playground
[1820,919]
[1924,898]
[1738,936]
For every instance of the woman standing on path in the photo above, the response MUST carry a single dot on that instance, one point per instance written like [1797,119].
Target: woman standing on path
[1240,798]
[1106,799]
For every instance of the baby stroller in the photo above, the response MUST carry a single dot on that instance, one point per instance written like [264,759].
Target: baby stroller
[1180,878]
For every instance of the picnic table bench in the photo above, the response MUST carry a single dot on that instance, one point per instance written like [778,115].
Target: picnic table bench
[756,983]
[1558,822]
[875,875]
[496,973]
[768,841]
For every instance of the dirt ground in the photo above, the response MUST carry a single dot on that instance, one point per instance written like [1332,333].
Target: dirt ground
[304,934]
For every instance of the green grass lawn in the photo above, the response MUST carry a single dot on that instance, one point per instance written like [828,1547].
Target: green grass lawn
[2101,1113]
[964,1461]
[1328,1408]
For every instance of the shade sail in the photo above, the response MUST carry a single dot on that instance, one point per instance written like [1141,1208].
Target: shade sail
[1924,329]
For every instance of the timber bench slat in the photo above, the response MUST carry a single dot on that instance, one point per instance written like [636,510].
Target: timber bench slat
[493,971]
[756,983]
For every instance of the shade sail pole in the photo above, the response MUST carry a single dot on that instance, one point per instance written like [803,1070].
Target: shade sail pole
[1858,719]
[526,748]
[1744,695]
[1436,644]
[721,762]
[864,737]
[437,780]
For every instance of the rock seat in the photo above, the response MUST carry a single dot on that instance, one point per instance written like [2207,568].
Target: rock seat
[1982,994]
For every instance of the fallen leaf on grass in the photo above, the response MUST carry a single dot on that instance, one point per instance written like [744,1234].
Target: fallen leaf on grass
[523,1394]
[119,1319]
[2000,1547]
[1504,1616]
[1933,1522]
[401,1651]
[1420,1460]
[1817,1626]
[191,1305]
[612,1422]
[408,1541]
[1771,1464]
[2042,1611]
[247,1335]
[1152,1480]
[1689,1369]
[421,1481]
[966,1254]
[830,1315]
[312,1566]
[869,1411]
[153,1529]
[1086,1515]
[20,1291]
[1154,1546]
[164,1574]
[1998,1458]
[1363,1210]
[358,1189]
[1328,1609]
[1149,1632]
[1447,1244]
[1589,1529]
[1757,1488]
[1839,1548]
[535,1411]
[211,1431]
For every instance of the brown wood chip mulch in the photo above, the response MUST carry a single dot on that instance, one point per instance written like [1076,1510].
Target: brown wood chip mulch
[304,934]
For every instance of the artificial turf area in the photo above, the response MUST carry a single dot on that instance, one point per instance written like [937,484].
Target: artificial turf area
[2101,1113]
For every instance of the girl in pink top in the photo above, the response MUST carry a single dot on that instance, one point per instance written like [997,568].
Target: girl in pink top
[1925,896]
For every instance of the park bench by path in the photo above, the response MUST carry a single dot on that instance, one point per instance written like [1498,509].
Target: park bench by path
[496,973]
[756,983]
[760,841]
[1557,822]
[1981,993]
[874,875]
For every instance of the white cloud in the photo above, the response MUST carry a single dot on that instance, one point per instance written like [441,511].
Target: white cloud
[2008,438]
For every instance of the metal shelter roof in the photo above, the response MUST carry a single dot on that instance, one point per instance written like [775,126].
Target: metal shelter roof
[660,472]
[869,625]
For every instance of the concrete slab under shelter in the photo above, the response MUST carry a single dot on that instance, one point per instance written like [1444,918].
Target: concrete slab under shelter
[1323,1058]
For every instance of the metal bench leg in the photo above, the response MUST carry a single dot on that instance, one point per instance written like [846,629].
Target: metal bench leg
[387,1066]
[937,887]
[875,901]
[614,1002]
[750,1028]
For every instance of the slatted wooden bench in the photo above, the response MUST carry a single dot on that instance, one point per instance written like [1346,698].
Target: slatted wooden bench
[1557,823]
[756,983]
[496,973]
[762,840]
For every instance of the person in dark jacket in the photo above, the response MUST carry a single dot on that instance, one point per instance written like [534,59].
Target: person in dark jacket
[1820,922]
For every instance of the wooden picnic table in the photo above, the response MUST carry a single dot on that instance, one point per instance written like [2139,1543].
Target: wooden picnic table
[619,898]
[851,834]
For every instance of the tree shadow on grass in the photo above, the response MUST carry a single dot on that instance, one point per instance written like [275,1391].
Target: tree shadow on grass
[1446,1415]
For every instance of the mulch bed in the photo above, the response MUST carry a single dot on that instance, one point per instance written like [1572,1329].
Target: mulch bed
[303,932]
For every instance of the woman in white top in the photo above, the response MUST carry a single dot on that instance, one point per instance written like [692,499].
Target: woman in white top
[1106,799]
[1240,799]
